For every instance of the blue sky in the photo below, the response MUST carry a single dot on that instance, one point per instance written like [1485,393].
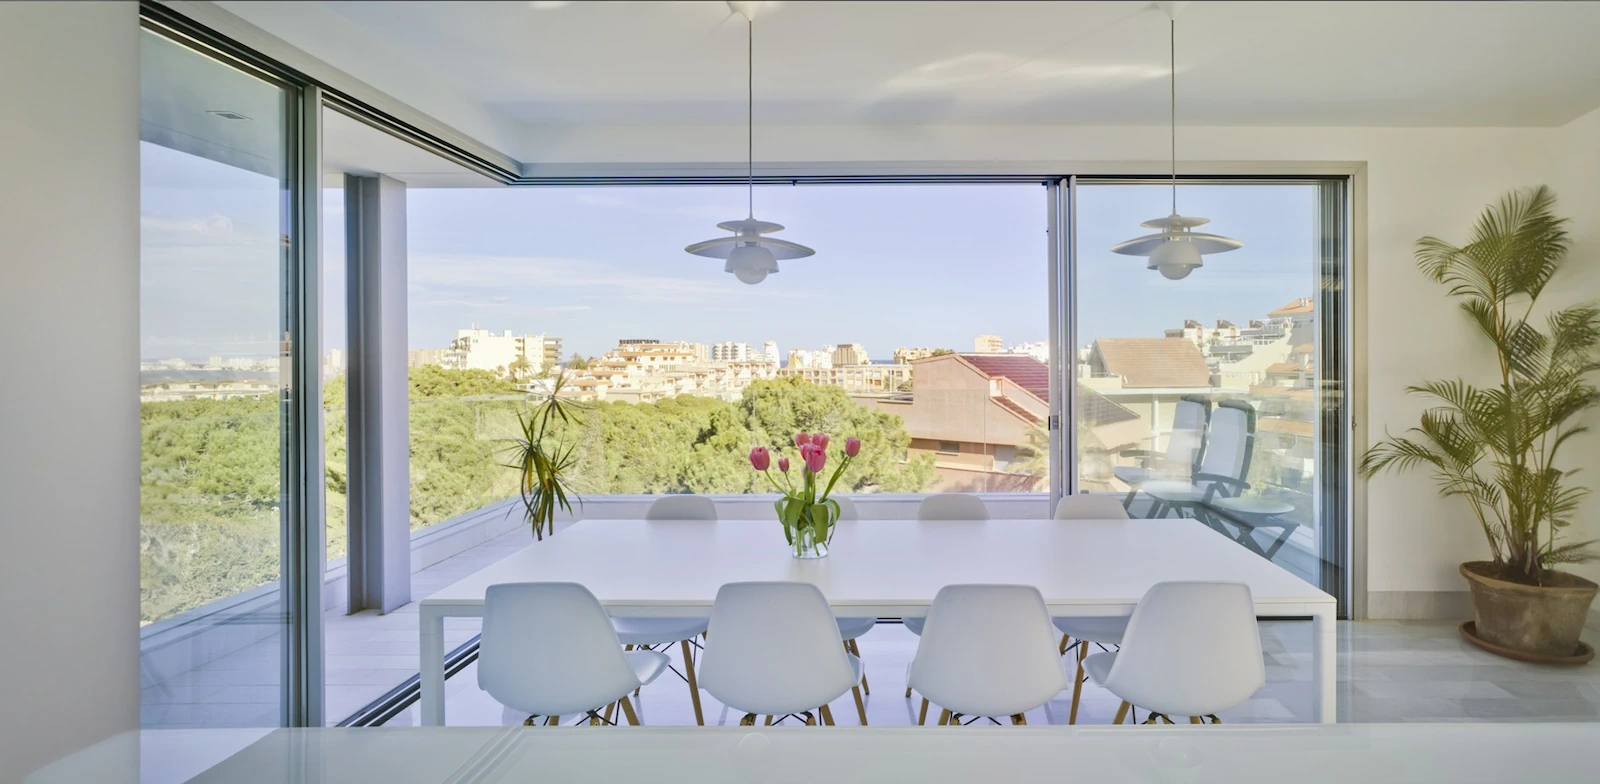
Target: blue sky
[896,265]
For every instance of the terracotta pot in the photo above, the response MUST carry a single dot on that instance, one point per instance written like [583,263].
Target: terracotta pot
[1538,619]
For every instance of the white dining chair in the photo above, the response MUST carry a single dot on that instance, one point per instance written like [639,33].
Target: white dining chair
[1090,506]
[945,506]
[987,651]
[1184,444]
[1080,633]
[852,628]
[682,507]
[773,649]
[548,650]
[1192,649]
[652,634]
[847,508]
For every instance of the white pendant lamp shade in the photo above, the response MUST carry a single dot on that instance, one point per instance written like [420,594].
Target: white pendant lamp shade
[751,255]
[1175,250]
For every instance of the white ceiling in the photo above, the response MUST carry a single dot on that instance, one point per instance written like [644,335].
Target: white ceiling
[575,64]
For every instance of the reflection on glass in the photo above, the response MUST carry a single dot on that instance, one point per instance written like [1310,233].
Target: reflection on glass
[211,500]
[1200,397]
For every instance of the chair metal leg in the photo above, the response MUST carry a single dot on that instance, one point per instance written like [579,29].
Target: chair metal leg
[627,710]
[827,715]
[1017,718]
[861,707]
[922,716]
[1122,712]
[694,686]
[1127,503]
[1077,682]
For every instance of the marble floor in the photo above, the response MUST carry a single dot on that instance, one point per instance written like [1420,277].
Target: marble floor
[1389,671]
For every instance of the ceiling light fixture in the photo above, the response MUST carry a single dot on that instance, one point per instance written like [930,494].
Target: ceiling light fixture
[1176,250]
[750,255]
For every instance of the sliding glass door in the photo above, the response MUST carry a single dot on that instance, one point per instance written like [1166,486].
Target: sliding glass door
[1218,396]
[219,455]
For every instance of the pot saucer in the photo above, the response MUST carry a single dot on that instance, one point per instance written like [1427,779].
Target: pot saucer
[1582,655]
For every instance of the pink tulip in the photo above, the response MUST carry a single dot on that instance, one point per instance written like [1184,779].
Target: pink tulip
[802,438]
[760,458]
[852,446]
[821,440]
[815,460]
[783,464]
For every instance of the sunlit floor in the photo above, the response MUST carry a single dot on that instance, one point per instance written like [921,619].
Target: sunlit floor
[1388,672]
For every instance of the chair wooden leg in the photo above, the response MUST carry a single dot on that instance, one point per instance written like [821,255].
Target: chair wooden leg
[1077,683]
[922,716]
[553,721]
[749,720]
[1122,713]
[1017,718]
[908,692]
[944,717]
[1194,720]
[827,715]
[694,685]
[1063,646]
[530,721]
[811,721]
[861,707]
[866,688]
[627,710]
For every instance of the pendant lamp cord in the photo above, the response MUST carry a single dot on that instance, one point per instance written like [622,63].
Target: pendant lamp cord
[1172,102]
[750,114]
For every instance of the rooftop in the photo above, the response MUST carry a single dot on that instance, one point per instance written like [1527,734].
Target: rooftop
[1151,363]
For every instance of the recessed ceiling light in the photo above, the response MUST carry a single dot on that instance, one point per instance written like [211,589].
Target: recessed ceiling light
[227,115]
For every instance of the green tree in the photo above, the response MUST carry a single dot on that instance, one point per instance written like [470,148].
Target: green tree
[577,362]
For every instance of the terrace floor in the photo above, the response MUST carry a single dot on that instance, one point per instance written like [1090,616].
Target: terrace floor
[367,654]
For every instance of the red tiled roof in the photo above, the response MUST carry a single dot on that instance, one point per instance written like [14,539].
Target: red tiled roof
[1031,374]
[1023,370]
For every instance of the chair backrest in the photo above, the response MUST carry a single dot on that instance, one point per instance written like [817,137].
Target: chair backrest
[847,508]
[549,649]
[1090,506]
[1184,444]
[952,506]
[682,507]
[773,648]
[1229,440]
[1191,649]
[988,650]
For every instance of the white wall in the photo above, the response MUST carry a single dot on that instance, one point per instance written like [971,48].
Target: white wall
[1577,183]
[1419,181]
[69,416]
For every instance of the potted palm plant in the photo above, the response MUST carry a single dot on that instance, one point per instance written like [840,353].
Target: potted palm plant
[544,464]
[1499,446]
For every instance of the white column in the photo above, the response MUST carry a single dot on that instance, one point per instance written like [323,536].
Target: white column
[69,389]
[380,453]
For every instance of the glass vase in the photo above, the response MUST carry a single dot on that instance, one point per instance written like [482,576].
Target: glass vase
[806,544]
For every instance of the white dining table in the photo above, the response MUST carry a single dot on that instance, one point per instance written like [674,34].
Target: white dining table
[886,569]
